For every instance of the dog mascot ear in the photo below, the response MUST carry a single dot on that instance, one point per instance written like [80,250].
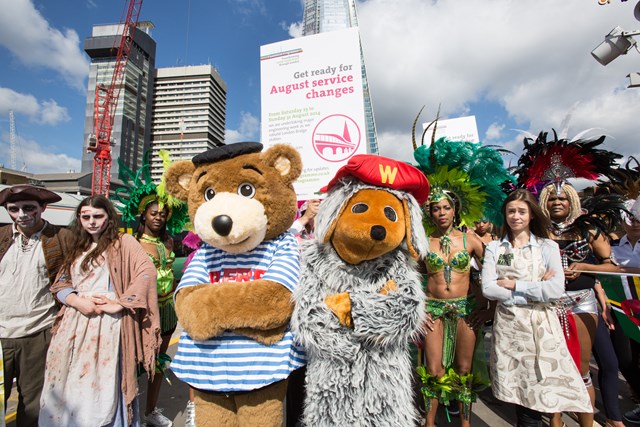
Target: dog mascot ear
[360,297]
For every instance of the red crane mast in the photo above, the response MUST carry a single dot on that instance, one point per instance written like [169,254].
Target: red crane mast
[106,102]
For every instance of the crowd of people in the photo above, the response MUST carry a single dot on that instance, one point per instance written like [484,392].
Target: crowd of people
[85,309]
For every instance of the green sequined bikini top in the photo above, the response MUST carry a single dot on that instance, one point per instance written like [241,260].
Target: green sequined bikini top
[459,262]
[163,264]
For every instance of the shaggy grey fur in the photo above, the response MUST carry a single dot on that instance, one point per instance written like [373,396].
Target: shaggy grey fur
[360,376]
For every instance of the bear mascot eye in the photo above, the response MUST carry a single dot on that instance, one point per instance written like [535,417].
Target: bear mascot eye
[209,194]
[359,208]
[246,190]
[390,213]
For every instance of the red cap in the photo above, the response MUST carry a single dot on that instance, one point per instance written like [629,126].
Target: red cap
[384,172]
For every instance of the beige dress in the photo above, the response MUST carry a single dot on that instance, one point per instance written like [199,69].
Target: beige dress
[530,363]
[81,385]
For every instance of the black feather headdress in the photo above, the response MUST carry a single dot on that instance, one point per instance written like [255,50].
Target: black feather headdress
[555,161]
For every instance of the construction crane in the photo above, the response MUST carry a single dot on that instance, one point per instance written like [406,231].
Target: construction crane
[106,101]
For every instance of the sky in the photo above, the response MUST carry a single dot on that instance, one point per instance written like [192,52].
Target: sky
[517,66]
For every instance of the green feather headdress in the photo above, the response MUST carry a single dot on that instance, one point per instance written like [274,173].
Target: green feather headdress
[140,191]
[472,173]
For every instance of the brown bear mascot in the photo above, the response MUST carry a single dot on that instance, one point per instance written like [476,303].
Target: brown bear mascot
[234,300]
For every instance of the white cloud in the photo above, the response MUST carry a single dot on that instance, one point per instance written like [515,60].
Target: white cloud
[30,38]
[526,57]
[494,132]
[249,129]
[248,7]
[42,112]
[35,158]
[52,113]
[294,29]
[18,102]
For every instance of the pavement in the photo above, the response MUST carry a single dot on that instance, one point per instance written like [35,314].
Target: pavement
[486,412]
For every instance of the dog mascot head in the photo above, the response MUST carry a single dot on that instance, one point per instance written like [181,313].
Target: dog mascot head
[373,207]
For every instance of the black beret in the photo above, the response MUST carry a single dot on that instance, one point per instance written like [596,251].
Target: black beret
[22,192]
[227,151]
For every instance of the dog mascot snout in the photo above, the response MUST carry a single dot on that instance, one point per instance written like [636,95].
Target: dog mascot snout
[378,232]
[360,298]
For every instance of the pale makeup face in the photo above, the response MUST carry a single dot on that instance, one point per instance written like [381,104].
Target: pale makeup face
[518,215]
[93,220]
[26,214]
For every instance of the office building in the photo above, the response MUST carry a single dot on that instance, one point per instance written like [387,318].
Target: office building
[131,134]
[328,15]
[189,110]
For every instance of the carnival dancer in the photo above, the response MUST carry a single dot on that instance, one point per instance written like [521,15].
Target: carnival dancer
[466,181]
[580,233]
[530,363]
[160,217]
[484,230]
[107,327]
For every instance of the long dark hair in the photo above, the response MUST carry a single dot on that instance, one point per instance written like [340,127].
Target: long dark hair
[164,234]
[81,240]
[539,223]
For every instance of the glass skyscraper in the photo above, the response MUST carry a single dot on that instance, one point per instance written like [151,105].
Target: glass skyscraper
[328,15]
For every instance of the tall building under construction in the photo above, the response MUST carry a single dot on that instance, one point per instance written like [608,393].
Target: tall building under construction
[131,134]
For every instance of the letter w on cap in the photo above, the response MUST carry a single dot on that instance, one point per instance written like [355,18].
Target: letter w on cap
[387,174]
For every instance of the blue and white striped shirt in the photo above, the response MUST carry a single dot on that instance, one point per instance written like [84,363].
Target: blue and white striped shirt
[232,362]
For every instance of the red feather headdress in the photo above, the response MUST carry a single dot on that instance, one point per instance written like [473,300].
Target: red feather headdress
[543,162]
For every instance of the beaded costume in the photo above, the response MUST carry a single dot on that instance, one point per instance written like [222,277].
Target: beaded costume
[472,177]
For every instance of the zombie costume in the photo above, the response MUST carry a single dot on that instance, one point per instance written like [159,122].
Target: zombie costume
[81,344]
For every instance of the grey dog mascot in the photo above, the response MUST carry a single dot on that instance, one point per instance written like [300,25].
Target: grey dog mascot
[360,299]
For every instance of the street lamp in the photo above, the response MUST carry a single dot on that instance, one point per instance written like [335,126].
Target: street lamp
[617,42]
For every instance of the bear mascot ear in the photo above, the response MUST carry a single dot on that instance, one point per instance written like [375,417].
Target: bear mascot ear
[286,160]
[178,177]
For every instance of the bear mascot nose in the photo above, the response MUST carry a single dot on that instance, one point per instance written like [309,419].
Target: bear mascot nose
[378,232]
[222,224]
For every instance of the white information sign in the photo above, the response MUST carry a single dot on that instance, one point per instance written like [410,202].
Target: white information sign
[458,129]
[311,97]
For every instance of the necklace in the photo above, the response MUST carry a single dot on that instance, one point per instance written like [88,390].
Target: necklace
[150,239]
[160,248]
[559,228]
[445,242]
[445,248]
